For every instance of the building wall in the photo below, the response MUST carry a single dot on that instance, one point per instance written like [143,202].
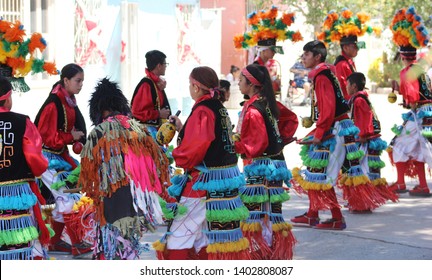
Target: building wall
[233,23]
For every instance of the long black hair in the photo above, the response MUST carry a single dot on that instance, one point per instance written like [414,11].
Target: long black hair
[261,74]
[68,71]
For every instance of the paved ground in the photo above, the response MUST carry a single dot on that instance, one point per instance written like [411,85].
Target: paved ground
[396,231]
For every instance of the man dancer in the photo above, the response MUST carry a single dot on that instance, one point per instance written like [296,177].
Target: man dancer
[149,102]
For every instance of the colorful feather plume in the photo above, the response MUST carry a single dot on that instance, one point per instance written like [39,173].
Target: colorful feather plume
[266,25]
[336,26]
[408,29]
[20,53]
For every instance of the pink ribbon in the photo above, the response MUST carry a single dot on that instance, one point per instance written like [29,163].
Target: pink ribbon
[251,78]
[6,96]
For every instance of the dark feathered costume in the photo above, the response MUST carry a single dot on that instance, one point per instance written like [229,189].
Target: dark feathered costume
[123,171]
[107,97]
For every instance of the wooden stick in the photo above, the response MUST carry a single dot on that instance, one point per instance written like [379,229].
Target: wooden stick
[76,190]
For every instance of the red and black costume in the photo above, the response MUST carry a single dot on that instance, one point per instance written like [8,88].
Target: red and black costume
[148,99]
[411,147]
[56,119]
[261,141]
[364,117]
[209,188]
[337,150]
[21,160]
[345,66]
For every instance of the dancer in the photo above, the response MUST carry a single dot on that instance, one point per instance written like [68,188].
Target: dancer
[369,138]
[60,124]
[23,233]
[209,188]
[267,28]
[345,30]
[329,148]
[259,140]
[149,101]
[22,229]
[134,171]
[411,147]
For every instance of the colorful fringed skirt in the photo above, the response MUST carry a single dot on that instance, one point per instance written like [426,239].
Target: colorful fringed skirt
[372,165]
[18,228]
[119,238]
[53,182]
[270,237]
[411,141]
[214,220]
[338,152]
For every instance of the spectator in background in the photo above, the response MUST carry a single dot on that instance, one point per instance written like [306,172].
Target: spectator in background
[224,87]
[233,75]
[301,79]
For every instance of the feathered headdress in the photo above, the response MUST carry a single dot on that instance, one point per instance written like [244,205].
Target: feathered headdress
[409,32]
[107,97]
[266,29]
[18,54]
[346,27]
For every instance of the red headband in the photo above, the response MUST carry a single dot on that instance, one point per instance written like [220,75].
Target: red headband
[198,84]
[251,78]
[6,96]
[203,87]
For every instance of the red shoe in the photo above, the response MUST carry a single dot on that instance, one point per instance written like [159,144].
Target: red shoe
[81,248]
[420,191]
[332,224]
[367,211]
[304,220]
[60,246]
[398,188]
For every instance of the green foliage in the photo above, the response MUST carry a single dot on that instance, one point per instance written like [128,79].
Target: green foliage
[383,70]
[375,74]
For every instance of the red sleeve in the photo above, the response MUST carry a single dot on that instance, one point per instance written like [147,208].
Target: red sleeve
[342,72]
[199,133]
[32,148]
[51,137]
[363,117]
[253,138]
[326,105]
[287,124]
[143,108]
[409,87]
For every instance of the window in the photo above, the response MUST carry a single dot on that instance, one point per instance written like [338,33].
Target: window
[11,10]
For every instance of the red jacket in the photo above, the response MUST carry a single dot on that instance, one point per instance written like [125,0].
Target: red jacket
[362,115]
[143,108]
[325,99]
[343,70]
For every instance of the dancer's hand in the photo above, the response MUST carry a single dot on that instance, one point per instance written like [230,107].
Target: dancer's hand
[77,134]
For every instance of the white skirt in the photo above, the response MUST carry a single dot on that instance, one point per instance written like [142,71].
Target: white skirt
[411,144]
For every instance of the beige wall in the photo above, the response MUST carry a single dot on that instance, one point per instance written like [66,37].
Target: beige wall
[233,23]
